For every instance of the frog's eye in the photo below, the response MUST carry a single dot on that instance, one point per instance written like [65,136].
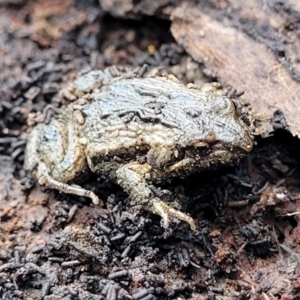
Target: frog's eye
[223,106]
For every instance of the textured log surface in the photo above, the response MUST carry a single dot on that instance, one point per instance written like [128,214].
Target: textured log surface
[252,46]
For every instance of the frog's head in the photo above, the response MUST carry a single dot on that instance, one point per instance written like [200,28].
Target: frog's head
[220,128]
[228,126]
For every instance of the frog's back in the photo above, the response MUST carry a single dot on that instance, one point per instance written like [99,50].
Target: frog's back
[152,100]
[139,108]
[128,117]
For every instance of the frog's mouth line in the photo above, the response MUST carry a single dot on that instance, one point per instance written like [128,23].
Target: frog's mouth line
[245,145]
[214,152]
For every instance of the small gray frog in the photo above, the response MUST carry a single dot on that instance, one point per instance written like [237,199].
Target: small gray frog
[138,130]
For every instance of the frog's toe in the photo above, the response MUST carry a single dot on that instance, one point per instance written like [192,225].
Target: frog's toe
[160,208]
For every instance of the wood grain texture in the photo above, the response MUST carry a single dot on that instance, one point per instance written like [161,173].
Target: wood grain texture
[252,46]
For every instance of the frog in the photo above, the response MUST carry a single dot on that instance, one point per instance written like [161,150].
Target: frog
[138,129]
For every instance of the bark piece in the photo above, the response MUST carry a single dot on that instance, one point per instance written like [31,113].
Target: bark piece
[246,47]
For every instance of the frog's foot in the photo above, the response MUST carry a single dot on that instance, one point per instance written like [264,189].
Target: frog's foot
[132,177]
[160,208]
[45,179]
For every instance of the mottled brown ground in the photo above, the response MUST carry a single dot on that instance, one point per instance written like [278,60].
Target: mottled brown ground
[54,246]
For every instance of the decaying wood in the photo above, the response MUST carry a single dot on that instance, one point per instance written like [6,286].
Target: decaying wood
[253,46]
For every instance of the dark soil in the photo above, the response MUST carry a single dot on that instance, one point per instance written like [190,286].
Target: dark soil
[57,246]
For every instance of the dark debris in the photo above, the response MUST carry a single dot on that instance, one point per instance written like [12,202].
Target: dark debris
[55,246]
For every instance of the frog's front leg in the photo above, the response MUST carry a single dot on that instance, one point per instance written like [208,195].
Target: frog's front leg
[44,178]
[133,179]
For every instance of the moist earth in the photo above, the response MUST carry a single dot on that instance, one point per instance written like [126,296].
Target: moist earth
[59,246]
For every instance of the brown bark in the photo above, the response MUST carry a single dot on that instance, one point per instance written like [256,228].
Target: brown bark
[252,46]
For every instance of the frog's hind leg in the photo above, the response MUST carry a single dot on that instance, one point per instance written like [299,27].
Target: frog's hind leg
[133,178]
[45,179]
